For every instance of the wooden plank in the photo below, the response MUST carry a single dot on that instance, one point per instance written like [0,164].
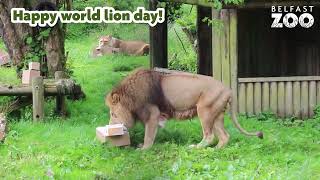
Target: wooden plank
[280,79]
[312,97]
[318,93]
[216,46]
[281,99]
[297,99]
[265,97]
[158,41]
[225,51]
[234,54]
[289,99]
[38,98]
[249,99]
[242,98]
[274,97]
[257,98]
[304,99]
[204,41]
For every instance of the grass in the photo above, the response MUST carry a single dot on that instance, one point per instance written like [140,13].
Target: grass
[67,148]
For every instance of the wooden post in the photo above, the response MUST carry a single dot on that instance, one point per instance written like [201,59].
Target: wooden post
[204,33]
[60,99]
[158,41]
[234,54]
[216,46]
[38,98]
[225,47]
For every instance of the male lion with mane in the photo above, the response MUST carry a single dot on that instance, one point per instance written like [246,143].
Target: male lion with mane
[152,97]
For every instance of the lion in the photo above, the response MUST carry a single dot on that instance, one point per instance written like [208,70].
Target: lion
[136,48]
[152,97]
[104,50]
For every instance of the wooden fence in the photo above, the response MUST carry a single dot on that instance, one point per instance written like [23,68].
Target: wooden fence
[285,96]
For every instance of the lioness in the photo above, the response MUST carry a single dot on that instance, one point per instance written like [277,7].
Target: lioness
[152,96]
[137,48]
[105,50]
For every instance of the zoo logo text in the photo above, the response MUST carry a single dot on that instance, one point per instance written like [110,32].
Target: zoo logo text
[289,17]
[89,15]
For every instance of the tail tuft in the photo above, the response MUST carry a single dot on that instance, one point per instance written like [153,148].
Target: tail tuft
[260,135]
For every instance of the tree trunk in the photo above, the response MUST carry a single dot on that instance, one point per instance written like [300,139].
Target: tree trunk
[14,36]
[54,48]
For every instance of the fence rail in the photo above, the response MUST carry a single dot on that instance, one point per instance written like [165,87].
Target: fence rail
[285,96]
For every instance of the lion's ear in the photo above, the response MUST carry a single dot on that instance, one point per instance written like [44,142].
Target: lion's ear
[115,98]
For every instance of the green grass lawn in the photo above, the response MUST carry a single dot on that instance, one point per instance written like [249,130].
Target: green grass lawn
[67,148]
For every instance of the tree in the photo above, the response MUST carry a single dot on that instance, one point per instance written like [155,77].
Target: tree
[25,43]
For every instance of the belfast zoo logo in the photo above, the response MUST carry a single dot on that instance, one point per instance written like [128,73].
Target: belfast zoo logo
[292,16]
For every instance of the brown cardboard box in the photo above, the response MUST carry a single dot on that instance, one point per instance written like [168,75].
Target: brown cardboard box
[27,76]
[121,140]
[101,134]
[115,130]
[34,66]
[2,126]
[4,58]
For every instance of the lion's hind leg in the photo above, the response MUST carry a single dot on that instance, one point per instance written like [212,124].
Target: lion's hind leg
[206,120]
[219,130]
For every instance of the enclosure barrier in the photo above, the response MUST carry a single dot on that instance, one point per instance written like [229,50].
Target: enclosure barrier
[44,87]
[285,96]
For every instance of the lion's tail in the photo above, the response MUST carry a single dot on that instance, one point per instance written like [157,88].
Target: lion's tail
[234,119]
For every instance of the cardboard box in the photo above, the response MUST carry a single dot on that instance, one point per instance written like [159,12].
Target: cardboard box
[123,140]
[4,58]
[115,130]
[120,140]
[34,66]
[2,127]
[27,76]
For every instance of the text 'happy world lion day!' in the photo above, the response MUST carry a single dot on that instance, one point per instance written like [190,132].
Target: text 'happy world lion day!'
[89,15]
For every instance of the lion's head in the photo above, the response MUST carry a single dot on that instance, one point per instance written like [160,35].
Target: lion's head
[105,41]
[119,114]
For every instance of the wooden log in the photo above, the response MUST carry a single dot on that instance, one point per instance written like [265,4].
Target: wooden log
[312,97]
[234,55]
[257,98]
[297,99]
[249,98]
[38,98]
[281,99]
[60,99]
[265,97]
[204,41]
[167,71]
[216,46]
[225,48]
[158,41]
[289,99]
[304,100]
[274,97]
[242,98]
[50,88]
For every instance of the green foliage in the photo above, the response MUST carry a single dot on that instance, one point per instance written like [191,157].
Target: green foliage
[36,47]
